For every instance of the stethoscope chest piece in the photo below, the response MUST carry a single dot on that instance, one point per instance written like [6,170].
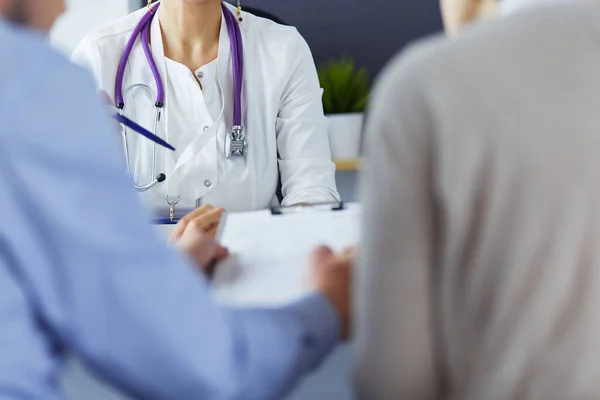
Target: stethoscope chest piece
[236,144]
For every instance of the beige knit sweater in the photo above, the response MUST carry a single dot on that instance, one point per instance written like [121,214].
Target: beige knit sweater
[480,277]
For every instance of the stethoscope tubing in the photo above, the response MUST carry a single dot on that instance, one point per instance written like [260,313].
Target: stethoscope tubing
[143,29]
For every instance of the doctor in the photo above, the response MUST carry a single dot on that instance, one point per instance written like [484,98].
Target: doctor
[223,80]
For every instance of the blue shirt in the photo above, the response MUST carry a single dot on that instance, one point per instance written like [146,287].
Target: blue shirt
[82,272]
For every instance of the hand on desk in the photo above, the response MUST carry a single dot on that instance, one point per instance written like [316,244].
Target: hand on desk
[331,275]
[205,219]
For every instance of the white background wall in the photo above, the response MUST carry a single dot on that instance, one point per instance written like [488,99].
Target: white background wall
[81,17]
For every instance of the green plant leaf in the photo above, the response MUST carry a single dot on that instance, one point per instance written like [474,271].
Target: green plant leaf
[346,89]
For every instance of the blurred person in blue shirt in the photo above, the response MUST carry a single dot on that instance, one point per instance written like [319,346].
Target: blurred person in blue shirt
[82,272]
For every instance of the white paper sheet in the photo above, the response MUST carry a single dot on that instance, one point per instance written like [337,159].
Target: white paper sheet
[269,262]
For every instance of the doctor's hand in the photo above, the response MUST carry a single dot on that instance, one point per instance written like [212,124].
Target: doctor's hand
[331,275]
[205,219]
[201,248]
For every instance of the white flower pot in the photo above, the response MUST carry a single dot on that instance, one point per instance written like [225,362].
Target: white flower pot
[345,133]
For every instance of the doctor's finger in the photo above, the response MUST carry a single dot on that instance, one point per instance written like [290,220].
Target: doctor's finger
[222,253]
[198,211]
[350,252]
[212,232]
[321,254]
[207,221]
[213,227]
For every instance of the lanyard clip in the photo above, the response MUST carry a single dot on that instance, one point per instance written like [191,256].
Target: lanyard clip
[236,143]
[172,204]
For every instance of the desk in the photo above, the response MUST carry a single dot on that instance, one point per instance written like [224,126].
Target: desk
[347,165]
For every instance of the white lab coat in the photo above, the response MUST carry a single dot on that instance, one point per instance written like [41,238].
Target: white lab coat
[282,115]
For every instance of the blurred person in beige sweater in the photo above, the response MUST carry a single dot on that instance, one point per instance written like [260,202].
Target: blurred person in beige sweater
[480,272]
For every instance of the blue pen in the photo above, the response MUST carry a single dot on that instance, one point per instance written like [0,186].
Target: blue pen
[165,221]
[142,131]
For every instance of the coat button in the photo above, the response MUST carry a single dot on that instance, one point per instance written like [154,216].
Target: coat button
[208,183]
[206,128]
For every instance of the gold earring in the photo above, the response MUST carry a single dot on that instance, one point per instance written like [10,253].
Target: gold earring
[239,11]
[149,5]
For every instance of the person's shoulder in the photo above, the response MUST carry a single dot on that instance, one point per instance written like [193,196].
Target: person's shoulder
[411,65]
[523,30]
[114,30]
[511,40]
[31,62]
[39,85]
[20,44]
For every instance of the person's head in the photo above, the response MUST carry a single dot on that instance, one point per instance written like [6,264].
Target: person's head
[458,13]
[37,14]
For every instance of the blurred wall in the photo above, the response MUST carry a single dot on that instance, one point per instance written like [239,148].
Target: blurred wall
[371,31]
[81,17]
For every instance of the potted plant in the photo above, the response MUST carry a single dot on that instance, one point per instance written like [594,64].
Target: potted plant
[345,96]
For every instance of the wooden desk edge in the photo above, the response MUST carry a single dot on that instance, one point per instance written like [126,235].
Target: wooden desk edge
[347,165]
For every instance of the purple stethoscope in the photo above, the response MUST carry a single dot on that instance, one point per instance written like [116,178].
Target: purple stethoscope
[236,143]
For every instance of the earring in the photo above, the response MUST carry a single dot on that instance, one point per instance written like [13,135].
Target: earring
[239,11]
[149,5]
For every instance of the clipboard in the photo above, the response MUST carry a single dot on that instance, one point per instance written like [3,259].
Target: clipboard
[274,211]
[313,208]
[287,210]
[270,250]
